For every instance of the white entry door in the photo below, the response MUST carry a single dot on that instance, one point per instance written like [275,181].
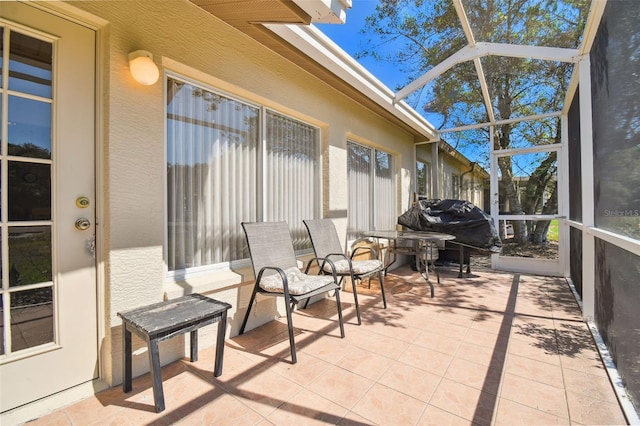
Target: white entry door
[48,339]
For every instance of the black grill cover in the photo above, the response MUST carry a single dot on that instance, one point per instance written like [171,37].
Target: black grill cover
[468,223]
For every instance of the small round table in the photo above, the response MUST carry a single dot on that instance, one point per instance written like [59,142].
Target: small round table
[423,244]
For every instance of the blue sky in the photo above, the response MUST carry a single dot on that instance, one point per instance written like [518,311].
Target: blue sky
[347,36]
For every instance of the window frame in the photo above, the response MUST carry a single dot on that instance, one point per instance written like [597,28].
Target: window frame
[262,196]
[372,210]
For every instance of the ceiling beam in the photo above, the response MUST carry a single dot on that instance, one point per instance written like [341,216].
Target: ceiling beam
[468,32]
[500,122]
[480,50]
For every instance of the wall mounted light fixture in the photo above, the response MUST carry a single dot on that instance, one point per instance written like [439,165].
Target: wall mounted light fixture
[142,67]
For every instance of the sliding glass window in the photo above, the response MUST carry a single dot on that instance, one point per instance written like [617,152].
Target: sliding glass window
[372,189]
[223,169]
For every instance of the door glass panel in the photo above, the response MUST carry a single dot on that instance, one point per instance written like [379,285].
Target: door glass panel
[29,255]
[30,63]
[528,183]
[30,128]
[1,53]
[529,238]
[26,194]
[29,191]
[1,324]
[31,318]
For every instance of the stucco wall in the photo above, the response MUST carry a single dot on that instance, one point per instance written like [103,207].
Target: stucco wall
[191,42]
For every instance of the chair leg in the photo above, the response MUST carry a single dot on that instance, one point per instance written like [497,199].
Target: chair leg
[384,297]
[355,298]
[340,320]
[292,342]
[246,316]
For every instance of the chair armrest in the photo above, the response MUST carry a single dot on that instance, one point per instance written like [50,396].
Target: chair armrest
[285,281]
[371,250]
[321,261]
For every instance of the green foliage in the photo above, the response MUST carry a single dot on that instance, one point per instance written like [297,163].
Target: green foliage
[552,234]
[418,35]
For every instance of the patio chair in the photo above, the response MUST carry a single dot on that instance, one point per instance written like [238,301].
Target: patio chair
[326,244]
[277,274]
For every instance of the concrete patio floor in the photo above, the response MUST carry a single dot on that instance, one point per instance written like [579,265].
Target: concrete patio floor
[492,349]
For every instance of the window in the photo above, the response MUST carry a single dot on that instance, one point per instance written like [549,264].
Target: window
[455,186]
[372,189]
[223,169]
[423,178]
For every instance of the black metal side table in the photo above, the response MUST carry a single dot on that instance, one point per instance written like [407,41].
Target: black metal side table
[164,320]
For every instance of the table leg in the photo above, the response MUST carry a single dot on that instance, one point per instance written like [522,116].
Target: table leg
[194,346]
[461,260]
[126,359]
[156,374]
[222,328]
[425,274]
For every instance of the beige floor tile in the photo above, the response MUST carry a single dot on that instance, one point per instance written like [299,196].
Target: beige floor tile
[442,328]
[540,396]
[532,350]
[327,348]
[511,413]
[410,380]
[437,342]
[341,386]
[480,354]
[443,361]
[376,343]
[365,363]
[434,416]
[307,408]
[57,418]
[353,419]
[464,401]
[503,326]
[221,409]
[264,392]
[426,359]
[386,406]
[494,341]
[391,328]
[532,369]
[306,370]
[481,377]
[595,386]
[593,411]
[582,359]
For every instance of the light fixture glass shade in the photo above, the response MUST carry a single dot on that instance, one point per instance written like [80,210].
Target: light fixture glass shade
[142,67]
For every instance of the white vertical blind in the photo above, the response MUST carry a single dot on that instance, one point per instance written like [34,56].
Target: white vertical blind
[211,161]
[215,173]
[372,189]
[423,178]
[359,166]
[384,212]
[292,166]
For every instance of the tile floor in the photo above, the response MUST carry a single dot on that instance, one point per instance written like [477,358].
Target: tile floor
[492,349]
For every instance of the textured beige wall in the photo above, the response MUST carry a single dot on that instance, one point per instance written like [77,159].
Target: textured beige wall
[187,40]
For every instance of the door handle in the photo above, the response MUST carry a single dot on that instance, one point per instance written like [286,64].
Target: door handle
[82,224]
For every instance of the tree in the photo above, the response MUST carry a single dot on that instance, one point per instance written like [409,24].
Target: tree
[416,35]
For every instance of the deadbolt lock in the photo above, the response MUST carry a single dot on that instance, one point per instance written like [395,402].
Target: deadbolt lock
[82,224]
[82,202]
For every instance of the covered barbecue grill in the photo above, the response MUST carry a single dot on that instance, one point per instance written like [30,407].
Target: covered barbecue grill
[474,229]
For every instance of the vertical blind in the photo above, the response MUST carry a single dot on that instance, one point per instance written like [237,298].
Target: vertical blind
[372,190]
[423,178]
[384,195]
[291,174]
[215,174]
